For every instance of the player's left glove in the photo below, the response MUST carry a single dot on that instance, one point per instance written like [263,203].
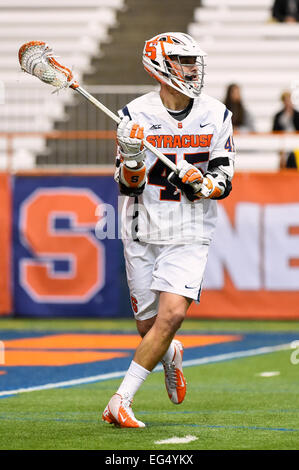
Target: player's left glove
[129,138]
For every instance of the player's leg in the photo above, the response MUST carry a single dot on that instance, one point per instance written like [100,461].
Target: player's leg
[143,326]
[178,269]
[171,313]
[172,362]
[140,264]
[140,259]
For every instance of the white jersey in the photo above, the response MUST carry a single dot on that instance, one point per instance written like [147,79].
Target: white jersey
[204,138]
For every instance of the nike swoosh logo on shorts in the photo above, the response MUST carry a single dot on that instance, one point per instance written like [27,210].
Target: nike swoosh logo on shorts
[190,287]
[204,125]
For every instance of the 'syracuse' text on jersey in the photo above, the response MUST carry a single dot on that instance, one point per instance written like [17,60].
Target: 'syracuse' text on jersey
[204,138]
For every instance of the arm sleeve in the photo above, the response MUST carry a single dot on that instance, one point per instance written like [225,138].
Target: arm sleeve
[224,153]
[276,126]
[118,176]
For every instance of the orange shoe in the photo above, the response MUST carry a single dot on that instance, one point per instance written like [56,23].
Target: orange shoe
[174,378]
[119,412]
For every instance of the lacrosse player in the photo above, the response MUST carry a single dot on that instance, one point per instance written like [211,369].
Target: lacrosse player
[167,226]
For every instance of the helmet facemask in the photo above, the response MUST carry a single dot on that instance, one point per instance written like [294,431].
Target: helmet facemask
[186,73]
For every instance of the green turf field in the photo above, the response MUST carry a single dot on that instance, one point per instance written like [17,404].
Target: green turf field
[228,405]
[129,325]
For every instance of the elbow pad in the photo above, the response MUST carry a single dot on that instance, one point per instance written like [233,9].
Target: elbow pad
[131,180]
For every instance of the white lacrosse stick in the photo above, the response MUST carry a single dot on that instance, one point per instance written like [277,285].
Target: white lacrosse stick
[37,58]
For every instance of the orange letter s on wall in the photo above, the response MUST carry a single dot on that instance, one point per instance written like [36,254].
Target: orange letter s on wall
[76,245]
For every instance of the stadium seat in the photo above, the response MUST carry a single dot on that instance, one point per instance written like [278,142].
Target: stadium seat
[258,161]
[239,38]
[247,4]
[244,62]
[51,32]
[50,16]
[245,46]
[227,16]
[278,30]
[19,124]
[93,4]
[75,31]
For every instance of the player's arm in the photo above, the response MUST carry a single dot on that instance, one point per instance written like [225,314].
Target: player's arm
[221,166]
[130,168]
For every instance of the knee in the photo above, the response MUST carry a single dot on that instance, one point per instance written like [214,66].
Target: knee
[177,316]
[173,317]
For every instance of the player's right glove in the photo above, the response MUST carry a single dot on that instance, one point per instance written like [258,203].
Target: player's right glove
[187,174]
[129,138]
[212,186]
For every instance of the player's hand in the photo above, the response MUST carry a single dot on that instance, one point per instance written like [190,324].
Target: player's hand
[211,187]
[184,178]
[188,173]
[129,137]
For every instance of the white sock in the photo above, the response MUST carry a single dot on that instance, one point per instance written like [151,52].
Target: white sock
[134,378]
[168,356]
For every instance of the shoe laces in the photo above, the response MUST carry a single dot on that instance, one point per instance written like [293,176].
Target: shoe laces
[170,372]
[127,404]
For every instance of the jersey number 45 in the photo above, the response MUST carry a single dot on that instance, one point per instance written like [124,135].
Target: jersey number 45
[158,174]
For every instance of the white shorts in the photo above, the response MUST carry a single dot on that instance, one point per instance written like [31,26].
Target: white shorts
[154,268]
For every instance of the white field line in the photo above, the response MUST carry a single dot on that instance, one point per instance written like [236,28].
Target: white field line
[114,375]
[236,355]
[268,374]
[177,440]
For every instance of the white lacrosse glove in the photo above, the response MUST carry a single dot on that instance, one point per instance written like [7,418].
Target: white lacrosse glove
[129,138]
[213,186]
[189,173]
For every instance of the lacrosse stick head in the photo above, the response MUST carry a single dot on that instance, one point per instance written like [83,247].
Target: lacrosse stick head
[37,58]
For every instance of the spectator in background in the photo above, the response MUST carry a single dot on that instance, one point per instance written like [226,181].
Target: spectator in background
[286,11]
[242,119]
[288,118]
[289,160]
